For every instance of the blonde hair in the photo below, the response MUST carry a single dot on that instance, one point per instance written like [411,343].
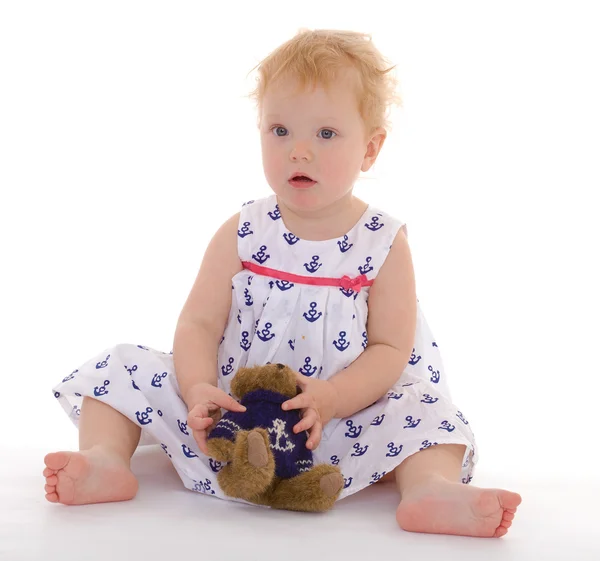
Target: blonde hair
[319,56]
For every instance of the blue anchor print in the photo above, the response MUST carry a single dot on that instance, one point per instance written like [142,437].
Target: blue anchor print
[132,369]
[341,344]
[77,395]
[353,431]
[76,411]
[366,267]
[156,379]
[189,453]
[312,314]
[56,395]
[394,450]
[435,375]
[141,347]
[239,317]
[261,256]
[427,444]
[250,279]
[256,325]
[334,460]
[159,412]
[164,447]
[460,416]
[409,384]
[428,399]
[215,466]
[413,358]
[313,265]
[265,334]
[102,364]
[290,238]
[98,391]
[265,302]
[203,487]
[220,342]
[226,370]
[378,420]
[144,418]
[275,215]
[248,203]
[291,343]
[394,395]
[375,224]
[307,369]
[183,427]
[344,245]
[376,477]
[70,376]
[411,424]
[348,482]
[135,386]
[447,426]
[467,480]
[349,292]
[284,285]
[359,451]
[365,339]
[248,297]
[245,231]
[434,344]
[245,343]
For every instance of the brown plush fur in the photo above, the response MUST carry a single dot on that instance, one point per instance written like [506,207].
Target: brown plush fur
[250,471]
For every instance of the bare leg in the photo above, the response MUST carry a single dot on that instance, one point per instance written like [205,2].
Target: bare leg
[435,501]
[100,471]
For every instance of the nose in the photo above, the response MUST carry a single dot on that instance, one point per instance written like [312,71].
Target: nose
[301,152]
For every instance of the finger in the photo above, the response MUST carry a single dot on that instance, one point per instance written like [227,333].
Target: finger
[308,420]
[200,423]
[302,401]
[226,401]
[201,439]
[200,410]
[315,436]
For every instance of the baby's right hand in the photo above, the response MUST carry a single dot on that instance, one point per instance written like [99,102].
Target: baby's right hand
[206,402]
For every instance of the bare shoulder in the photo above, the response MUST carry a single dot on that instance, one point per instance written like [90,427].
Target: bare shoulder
[209,299]
[393,300]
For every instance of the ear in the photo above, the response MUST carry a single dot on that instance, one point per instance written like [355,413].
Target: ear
[374,145]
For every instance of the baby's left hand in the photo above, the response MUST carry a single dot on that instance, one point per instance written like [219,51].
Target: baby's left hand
[318,401]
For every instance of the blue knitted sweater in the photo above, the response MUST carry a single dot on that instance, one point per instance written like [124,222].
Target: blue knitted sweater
[263,410]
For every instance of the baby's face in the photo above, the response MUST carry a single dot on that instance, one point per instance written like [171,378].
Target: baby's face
[318,133]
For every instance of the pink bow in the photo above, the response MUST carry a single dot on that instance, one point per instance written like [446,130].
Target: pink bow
[354,284]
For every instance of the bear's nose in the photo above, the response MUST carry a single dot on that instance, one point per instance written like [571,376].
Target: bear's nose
[280,366]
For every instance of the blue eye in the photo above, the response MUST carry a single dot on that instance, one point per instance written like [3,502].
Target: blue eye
[327,134]
[279,131]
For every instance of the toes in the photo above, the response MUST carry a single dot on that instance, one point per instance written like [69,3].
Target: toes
[57,460]
[48,472]
[52,497]
[506,524]
[509,500]
[508,516]
[500,531]
[50,488]
[52,480]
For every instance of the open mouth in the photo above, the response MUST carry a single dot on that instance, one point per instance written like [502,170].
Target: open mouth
[301,180]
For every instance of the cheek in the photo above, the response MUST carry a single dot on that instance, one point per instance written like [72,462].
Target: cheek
[272,161]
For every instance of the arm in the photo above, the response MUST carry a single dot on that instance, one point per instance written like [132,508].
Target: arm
[202,320]
[391,329]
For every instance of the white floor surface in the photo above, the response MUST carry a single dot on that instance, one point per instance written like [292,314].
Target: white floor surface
[558,520]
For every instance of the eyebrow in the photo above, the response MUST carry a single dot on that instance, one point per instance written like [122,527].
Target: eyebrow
[275,116]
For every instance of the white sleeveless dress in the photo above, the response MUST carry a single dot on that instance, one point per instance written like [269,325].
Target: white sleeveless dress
[316,330]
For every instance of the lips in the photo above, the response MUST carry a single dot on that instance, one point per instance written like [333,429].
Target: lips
[301,181]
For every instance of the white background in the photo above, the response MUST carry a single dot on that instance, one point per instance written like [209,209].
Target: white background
[126,140]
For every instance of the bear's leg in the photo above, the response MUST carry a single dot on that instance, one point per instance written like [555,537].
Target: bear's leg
[252,467]
[311,491]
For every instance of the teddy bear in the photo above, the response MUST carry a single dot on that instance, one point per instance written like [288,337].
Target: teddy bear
[266,462]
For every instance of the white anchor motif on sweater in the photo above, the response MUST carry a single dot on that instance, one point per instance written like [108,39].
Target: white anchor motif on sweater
[278,430]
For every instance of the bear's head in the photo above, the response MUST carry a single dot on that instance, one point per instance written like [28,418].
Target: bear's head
[275,377]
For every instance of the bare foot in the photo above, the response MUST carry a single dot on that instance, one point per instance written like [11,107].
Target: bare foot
[443,507]
[92,476]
